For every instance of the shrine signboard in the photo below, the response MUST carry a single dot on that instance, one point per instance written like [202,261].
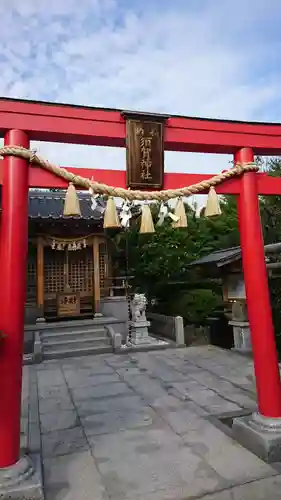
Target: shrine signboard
[68,304]
[144,152]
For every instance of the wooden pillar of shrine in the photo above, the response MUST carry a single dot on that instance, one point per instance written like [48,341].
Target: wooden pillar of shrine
[96,275]
[40,277]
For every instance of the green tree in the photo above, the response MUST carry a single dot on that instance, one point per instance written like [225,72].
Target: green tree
[271,206]
[160,261]
[271,221]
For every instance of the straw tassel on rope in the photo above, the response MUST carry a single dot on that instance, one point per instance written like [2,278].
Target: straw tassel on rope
[111,218]
[147,225]
[71,202]
[180,214]
[213,205]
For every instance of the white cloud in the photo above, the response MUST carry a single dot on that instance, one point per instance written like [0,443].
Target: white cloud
[192,58]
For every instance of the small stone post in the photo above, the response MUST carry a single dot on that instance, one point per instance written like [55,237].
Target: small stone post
[179,331]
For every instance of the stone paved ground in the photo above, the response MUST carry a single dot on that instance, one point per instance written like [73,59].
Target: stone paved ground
[132,427]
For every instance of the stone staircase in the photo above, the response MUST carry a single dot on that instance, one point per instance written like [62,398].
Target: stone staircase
[65,339]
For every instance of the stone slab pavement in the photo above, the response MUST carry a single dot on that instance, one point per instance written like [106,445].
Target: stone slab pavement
[143,426]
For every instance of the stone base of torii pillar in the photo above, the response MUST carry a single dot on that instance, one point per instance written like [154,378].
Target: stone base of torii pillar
[261,435]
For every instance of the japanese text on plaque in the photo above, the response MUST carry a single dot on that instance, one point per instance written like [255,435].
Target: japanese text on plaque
[146,153]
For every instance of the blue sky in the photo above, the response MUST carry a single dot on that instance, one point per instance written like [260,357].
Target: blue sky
[213,58]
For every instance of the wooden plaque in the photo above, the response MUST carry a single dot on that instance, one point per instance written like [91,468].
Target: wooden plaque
[68,304]
[145,154]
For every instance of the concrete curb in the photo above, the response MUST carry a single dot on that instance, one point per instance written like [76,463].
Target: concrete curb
[116,338]
[34,437]
[144,348]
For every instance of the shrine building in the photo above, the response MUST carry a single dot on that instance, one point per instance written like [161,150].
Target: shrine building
[69,260]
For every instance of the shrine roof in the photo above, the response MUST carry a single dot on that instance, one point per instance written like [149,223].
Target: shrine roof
[49,205]
[219,257]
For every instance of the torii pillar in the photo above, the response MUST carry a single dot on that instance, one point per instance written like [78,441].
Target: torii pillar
[13,254]
[262,431]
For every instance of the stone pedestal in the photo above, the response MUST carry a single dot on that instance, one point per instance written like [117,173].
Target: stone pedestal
[22,480]
[139,325]
[139,332]
[242,336]
[260,435]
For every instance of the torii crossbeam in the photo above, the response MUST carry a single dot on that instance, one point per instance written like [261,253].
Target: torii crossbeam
[22,121]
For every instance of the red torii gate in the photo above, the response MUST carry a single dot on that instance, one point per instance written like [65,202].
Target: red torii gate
[22,121]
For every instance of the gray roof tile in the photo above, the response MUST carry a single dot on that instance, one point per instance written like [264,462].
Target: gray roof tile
[49,205]
[220,257]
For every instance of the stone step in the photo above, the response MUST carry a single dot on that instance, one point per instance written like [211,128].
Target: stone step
[82,351]
[54,318]
[64,345]
[68,335]
[73,325]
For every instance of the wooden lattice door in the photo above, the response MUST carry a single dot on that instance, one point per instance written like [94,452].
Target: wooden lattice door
[54,278]
[80,276]
[71,271]
[31,277]
[103,268]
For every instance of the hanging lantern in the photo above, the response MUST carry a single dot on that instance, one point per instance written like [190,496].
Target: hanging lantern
[180,214]
[147,225]
[111,218]
[71,202]
[213,205]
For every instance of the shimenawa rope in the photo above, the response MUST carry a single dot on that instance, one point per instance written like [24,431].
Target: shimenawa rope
[128,194]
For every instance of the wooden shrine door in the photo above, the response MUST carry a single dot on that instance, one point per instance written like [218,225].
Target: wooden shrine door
[68,282]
